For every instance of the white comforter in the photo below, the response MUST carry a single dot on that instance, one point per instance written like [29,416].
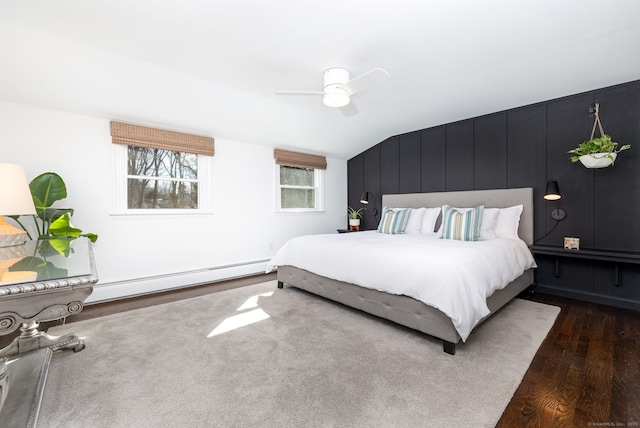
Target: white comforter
[453,276]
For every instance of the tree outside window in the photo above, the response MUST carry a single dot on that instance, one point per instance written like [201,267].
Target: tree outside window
[161,179]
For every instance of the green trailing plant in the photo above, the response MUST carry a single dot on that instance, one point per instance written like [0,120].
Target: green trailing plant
[353,213]
[597,145]
[52,222]
[602,144]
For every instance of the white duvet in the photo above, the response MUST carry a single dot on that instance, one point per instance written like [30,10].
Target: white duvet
[453,276]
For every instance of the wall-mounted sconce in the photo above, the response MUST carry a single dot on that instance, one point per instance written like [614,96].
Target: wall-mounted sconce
[364,200]
[553,194]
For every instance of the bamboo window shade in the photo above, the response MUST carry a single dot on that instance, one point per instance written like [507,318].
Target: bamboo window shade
[142,136]
[300,160]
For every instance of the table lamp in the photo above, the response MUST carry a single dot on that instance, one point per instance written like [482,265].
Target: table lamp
[15,199]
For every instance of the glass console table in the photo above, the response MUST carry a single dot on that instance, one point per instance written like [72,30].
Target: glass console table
[43,280]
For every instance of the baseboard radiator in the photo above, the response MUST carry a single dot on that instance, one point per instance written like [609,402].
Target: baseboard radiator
[103,292]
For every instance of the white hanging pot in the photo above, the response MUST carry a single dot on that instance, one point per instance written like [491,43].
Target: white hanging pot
[598,160]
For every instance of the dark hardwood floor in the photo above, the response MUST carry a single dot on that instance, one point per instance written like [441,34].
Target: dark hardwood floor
[585,374]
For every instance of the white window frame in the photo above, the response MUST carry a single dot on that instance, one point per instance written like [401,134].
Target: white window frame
[318,181]
[120,174]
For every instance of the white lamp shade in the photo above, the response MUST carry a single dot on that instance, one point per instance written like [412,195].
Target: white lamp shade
[15,195]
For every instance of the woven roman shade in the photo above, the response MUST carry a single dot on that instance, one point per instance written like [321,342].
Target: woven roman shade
[300,160]
[141,136]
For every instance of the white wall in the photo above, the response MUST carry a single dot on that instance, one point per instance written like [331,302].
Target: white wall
[138,254]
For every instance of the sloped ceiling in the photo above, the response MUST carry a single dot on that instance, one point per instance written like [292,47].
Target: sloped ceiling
[211,67]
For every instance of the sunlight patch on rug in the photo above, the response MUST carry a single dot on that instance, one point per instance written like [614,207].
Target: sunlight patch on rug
[244,319]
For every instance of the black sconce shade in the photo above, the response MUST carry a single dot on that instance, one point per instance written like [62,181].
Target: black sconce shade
[553,192]
[364,199]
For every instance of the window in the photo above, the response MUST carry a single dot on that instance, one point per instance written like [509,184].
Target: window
[157,173]
[299,182]
[300,189]
[161,179]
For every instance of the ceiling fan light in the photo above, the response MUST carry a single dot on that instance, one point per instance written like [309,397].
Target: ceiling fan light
[336,99]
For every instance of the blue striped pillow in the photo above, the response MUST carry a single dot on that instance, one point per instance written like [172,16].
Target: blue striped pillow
[462,226]
[393,221]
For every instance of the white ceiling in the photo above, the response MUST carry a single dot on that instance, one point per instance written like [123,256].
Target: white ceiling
[211,66]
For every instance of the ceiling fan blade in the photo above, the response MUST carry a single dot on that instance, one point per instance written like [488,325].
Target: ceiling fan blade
[370,78]
[349,110]
[298,93]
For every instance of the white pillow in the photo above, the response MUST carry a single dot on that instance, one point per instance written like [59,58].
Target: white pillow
[488,223]
[414,225]
[429,219]
[508,222]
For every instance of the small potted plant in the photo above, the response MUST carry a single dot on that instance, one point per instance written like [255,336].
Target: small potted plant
[354,217]
[598,152]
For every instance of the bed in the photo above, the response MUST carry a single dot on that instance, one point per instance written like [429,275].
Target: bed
[441,320]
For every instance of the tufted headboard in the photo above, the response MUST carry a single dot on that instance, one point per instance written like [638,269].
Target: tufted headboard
[494,198]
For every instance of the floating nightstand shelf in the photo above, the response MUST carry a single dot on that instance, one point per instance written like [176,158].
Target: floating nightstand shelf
[613,256]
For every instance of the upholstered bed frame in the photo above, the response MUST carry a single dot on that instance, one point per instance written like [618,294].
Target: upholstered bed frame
[405,310]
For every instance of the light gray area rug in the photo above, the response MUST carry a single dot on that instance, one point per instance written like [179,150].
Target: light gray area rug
[258,356]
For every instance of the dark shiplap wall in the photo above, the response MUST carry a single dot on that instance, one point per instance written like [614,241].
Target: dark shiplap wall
[525,147]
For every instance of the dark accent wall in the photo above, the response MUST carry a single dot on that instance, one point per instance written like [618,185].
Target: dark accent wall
[525,147]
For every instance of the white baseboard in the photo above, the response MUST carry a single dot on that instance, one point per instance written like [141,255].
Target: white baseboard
[103,292]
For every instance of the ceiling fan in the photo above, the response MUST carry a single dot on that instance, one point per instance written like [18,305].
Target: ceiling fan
[337,88]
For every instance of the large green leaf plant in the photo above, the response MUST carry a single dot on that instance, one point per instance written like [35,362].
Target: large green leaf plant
[52,222]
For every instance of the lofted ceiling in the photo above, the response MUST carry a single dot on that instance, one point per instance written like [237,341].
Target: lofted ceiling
[211,67]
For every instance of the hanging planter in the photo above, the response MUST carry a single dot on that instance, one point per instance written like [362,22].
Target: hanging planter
[598,160]
[599,152]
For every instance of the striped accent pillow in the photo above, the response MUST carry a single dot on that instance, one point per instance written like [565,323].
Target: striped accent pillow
[394,221]
[462,226]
